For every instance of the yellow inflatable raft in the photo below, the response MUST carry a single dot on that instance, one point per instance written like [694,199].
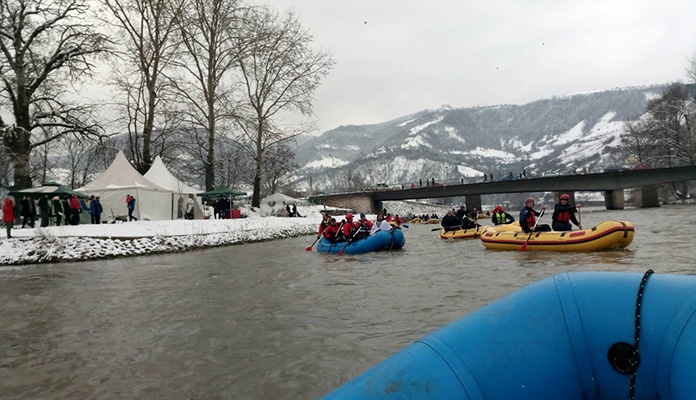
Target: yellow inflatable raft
[470,233]
[607,235]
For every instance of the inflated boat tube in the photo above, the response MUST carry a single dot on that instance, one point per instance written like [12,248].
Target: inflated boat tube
[555,339]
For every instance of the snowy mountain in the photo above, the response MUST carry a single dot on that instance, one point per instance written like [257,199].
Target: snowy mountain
[450,144]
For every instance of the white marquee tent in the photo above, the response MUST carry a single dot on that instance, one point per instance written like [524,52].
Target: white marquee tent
[153,202]
[275,203]
[182,194]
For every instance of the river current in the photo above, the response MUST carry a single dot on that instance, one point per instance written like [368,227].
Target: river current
[271,320]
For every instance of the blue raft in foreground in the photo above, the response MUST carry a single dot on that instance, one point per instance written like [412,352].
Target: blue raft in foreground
[570,336]
[382,240]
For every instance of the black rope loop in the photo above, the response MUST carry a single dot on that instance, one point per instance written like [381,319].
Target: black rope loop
[635,359]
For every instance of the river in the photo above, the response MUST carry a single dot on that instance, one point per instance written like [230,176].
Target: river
[271,320]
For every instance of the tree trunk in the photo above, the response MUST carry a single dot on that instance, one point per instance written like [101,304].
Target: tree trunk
[256,198]
[17,142]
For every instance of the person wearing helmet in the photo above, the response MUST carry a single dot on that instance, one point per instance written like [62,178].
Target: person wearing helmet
[364,226]
[349,226]
[500,217]
[564,214]
[528,216]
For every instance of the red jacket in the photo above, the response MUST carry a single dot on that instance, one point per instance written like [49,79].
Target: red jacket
[75,204]
[8,211]
[331,232]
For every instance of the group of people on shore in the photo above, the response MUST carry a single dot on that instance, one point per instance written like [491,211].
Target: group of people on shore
[349,230]
[52,211]
[562,220]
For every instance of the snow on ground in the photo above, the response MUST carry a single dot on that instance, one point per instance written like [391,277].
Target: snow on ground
[83,242]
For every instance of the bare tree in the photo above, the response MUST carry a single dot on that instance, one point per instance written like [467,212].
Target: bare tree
[209,30]
[279,73]
[44,45]
[278,165]
[691,68]
[148,33]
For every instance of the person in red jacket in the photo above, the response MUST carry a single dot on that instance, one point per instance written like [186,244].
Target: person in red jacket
[75,210]
[8,215]
[349,227]
[332,231]
[364,227]
[325,218]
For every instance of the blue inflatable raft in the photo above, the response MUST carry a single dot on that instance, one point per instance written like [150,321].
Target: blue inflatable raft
[382,240]
[576,336]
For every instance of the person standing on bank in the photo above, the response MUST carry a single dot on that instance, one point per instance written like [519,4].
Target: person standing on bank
[75,210]
[8,216]
[564,214]
[130,203]
[28,211]
[44,210]
[95,210]
[57,207]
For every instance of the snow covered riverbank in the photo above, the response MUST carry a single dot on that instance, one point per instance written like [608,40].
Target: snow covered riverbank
[84,242]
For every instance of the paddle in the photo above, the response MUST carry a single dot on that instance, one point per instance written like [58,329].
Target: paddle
[579,215]
[338,231]
[477,225]
[309,248]
[350,240]
[524,246]
[453,226]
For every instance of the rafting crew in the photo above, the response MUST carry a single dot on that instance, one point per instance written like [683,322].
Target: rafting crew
[528,216]
[564,214]
[500,217]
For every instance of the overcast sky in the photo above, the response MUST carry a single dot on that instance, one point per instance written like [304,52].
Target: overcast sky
[396,57]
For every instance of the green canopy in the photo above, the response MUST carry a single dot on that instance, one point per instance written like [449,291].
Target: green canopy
[49,188]
[220,191]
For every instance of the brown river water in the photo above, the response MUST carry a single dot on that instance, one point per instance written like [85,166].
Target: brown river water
[270,320]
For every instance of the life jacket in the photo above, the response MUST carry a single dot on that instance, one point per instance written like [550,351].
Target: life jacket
[324,223]
[530,217]
[563,216]
[498,218]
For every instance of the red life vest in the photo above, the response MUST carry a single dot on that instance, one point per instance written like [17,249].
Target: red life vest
[530,218]
[563,216]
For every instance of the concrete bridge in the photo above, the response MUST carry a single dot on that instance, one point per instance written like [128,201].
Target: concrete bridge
[646,182]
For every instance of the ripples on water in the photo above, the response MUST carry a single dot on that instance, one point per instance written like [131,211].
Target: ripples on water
[270,320]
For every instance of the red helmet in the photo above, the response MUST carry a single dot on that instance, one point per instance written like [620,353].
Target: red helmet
[565,196]
[499,207]
[349,216]
[529,200]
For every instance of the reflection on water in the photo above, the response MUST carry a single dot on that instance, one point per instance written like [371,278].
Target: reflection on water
[270,320]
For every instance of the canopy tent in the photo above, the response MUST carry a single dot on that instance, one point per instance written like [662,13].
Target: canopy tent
[183,195]
[49,188]
[153,202]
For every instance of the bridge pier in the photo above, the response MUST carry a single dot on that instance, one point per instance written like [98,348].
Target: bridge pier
[473,201]
[647,196]
[614,199]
